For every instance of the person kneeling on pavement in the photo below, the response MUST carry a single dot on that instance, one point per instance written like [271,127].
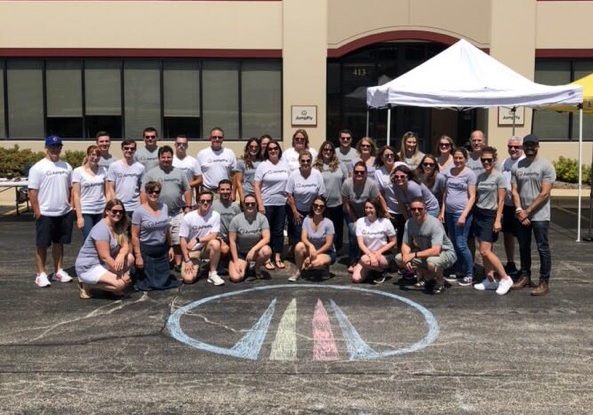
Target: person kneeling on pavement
[426,249]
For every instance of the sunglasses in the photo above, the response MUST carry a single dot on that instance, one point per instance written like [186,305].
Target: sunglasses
[273,149]
[514,147]
[181,144]
[216,137]
[305,161]
[318,206]
[299,139]
[445,144]
[150,136]
[359,172]
[388,156]
[205,201]
[117,211]
[129,148]
[399,176]
[417,209]
[486,160]
[428,164]
[346,138]
[154,192]
[249,204]
[255,147]
[365,145]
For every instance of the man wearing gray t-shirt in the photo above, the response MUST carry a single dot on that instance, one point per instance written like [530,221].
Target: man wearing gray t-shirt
[531,184]
[345,153]
[148,155]
[227,210]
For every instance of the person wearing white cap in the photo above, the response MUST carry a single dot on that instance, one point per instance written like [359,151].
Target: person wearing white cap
[49,192]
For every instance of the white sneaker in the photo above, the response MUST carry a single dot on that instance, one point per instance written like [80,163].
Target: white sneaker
[294,277]
[487,284]
[62,276]
[214,278]
[504,286]
[41,280]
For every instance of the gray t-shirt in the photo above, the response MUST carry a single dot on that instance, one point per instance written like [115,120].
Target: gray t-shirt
[153,229]
[416,190]
[227,213]
[413,161]
[348,157]
[475,164]
[248,232]
[88,257]
[426,235]
[358,198]
[273,178]
[487,190]
[248,175]
[173,185]
[106,161]
[438,187]
[304,190]
[126,181]
[507,165]
[319,236]
[529,175]
[333,181]
[149,159]
[457,196]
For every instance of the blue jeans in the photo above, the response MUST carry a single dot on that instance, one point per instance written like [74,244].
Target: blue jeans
[353,250]
[540,231]
[276,216]
[90,220]
[458,236]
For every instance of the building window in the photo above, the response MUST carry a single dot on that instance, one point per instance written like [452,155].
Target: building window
[75,98]
[554,126]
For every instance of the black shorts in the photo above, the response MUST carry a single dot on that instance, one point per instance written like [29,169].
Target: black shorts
[483,224]
[54,230]
[509,220]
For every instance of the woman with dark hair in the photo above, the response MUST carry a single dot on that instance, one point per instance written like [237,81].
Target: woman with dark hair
[409,152]
[264,140]
[456,212]
[356,190]
[376,238]
[407,187]
[246,165]
[152,243]
[445,157]
[88,191]
[316,248]
[300,142]
[269,185]
[367,152]
[334,173]
[104,260]
[249,239]
[428,174]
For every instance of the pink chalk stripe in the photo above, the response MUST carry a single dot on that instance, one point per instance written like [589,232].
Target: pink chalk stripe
[324,344]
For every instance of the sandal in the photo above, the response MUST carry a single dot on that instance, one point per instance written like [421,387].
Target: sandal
[279,264]
[84,292]
[269,266]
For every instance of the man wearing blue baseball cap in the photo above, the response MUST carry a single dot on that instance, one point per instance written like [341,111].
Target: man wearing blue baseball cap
[49,192]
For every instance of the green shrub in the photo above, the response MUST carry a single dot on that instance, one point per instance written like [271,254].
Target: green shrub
[15,162]
[567,170]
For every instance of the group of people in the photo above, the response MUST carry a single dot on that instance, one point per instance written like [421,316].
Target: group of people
[158,216]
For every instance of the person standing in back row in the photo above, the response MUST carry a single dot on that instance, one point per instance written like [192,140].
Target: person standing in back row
[532,179]
[217,163]
[148,155]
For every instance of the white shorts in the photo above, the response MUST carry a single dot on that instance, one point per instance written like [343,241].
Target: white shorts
[174,225]
[93,275]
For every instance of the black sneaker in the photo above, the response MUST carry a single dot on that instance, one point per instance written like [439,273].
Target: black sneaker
[438,289]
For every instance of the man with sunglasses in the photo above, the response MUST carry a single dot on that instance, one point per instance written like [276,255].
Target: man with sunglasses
[345,152]
[217,163]
[426,249]
[509,219]
[532,180]
[175,193]
[227,210]
[198,238]
[49,192]
[124,178]
[148,155]
[188,164]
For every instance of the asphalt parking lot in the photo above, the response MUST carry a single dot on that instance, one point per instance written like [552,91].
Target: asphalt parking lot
[320,346]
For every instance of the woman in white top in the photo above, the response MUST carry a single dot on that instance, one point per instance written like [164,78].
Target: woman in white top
[409,152]
[316,248]
[445,156]
[88,191]
[269,185]
[246,165]
[376,238]
[300,142]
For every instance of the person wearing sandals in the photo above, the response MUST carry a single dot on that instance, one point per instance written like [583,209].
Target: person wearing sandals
[245,171]
[316,248]
[104,260]
[490,195]
[269,184]
[356,190]
[376,238]
[456,212]
[88,191]
[152,242]
[426,250]
[249,238]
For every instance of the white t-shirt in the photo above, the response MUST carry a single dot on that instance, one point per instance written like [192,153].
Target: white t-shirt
[189,165]
[291,157]
[92,189]
[216,165]
[273,178]
[127,180]
[52,181]
[195,226]
[305,190]
[375,234]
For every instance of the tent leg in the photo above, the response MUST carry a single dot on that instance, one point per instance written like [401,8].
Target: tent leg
[389,125]
[579,209]
[367,129]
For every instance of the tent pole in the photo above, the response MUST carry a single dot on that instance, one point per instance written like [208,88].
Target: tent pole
[389,125]
[580,172]
[513,112]
[367,130]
